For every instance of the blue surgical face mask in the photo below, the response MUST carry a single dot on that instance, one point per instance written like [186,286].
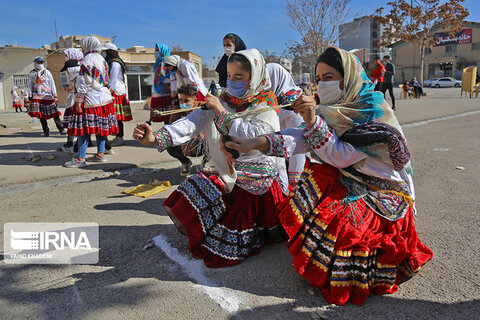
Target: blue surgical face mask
[236,88]
[185,106]
[157,54]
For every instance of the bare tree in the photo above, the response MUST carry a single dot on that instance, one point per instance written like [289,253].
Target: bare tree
[414,21]
[317,21]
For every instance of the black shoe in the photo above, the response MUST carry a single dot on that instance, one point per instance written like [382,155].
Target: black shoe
[46,134]
[394,108]
[63,132]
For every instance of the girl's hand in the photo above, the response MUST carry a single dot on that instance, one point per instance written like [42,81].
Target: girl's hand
[247,145]
[144,133]
[78,108]
[214,104]
[305,106]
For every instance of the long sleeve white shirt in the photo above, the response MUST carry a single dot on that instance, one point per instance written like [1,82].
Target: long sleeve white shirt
[116,79]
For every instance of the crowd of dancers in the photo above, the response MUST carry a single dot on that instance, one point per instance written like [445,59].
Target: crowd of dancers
[330,173]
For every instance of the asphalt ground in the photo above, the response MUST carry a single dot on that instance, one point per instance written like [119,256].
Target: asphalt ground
[164,282]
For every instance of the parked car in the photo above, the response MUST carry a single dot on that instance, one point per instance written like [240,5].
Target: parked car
[428,83]
[446,82]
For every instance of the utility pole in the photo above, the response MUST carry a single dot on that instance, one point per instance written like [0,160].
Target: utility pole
[55,24]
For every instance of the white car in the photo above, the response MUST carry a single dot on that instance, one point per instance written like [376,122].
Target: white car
[428,83]
[446,82]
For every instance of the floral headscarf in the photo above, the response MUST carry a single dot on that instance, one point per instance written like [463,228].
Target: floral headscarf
[364,118]
[159,67]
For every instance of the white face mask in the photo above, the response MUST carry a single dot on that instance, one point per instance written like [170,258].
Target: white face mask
[38,66]
[329,92]
[228,51]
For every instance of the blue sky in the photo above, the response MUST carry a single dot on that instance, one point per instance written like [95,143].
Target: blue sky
[195,25]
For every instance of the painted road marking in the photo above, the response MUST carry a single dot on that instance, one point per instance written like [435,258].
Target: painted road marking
[227,299]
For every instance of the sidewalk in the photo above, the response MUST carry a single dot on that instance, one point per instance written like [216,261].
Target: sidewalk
[19,138]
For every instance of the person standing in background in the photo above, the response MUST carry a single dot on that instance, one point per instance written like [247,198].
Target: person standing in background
[388,79]
[377,74]
[43,97]
[231,43]
[17,104]
[162,96]
[117,70]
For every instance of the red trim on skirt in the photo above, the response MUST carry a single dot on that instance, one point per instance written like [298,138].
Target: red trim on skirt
[348,261]
[253,217]
[122,107]
[17,105]
[160,103]
[100,121]
[43,109]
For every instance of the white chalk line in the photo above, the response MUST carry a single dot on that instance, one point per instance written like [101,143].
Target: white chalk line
[453,116]
[225,298]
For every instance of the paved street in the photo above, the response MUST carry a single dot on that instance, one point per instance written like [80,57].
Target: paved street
[164,282]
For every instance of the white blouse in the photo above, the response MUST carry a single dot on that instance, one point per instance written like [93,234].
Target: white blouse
[46,87]
[116,79]
[330,149]
[255,170]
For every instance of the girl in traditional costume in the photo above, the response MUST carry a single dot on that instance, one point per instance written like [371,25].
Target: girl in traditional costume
[117,88]
[350,219]
[94,112]
[17,103]
[185,73]
[73,57]
[231,44]
[43,97]
[228,212]
[162,94]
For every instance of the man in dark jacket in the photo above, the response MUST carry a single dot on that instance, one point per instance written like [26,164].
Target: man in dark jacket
[388,79]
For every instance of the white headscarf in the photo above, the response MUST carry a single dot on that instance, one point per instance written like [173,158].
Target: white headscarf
[281,79]
[94,60]
[90,43]
[174,60]
[259,78]
[73,53]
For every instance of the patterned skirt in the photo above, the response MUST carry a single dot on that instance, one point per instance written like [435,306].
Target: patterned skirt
[100,121]
[122,107]
[17,104]
[43,107]
[347,258]
[66,117]
[225,228]
[160,103]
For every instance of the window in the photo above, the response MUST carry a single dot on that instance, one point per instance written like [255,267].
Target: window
[476,46]
[428,50]
[20,81]
[451,48]
[133,87]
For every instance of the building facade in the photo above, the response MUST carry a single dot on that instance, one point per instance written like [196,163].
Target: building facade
[447,57]
[363,33]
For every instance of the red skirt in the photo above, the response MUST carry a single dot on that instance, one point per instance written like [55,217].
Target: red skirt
[160,103]
[17,104]
[100,121]
[348,262]
[122,107]
[225,228]
[43,107]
